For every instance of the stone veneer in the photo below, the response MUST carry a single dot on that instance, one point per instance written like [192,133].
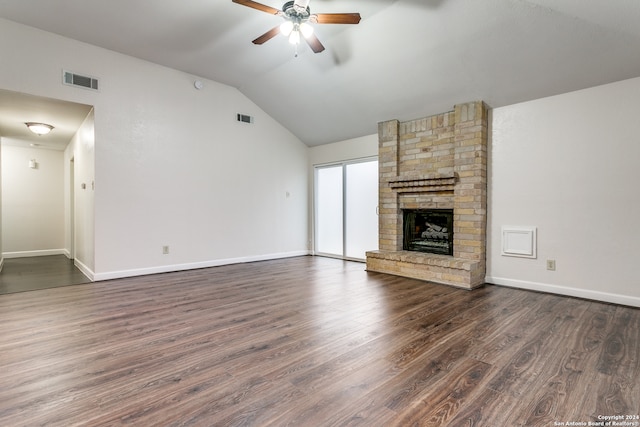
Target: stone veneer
[438,162]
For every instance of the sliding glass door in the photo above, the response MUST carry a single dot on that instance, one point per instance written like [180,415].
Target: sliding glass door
[346,203]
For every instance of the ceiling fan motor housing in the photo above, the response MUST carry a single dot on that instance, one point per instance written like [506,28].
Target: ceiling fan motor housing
[295,11]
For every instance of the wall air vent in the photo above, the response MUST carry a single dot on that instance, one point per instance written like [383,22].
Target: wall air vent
[244,118]
[72,79]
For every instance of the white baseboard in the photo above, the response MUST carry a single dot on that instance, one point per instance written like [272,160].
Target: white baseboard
[85,270]
[564,290]
[192,266]
[25,254]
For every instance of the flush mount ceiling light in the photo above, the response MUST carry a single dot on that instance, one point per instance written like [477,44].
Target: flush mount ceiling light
[39,128]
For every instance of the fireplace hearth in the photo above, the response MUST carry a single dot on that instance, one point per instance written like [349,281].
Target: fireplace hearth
[428,230]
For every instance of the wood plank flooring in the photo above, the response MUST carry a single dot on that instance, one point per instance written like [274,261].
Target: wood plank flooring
[311,341]
[41,272]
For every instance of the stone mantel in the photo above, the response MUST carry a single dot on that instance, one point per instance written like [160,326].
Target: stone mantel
[435,162]
[424,183]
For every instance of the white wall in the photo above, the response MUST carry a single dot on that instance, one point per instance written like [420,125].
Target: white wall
[350,149]
[568,166]
[32,202]
[1,251]
[79,197]
[172,165]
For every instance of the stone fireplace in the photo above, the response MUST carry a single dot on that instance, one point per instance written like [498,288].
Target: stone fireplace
[429,167]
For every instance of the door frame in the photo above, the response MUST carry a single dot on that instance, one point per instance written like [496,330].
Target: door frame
[343,164]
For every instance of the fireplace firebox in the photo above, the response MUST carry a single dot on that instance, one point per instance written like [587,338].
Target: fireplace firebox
[428,230]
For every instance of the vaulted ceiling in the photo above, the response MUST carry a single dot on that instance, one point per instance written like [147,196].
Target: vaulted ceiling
[406,58]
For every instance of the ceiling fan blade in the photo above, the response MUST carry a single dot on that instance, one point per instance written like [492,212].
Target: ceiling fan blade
[314,43]
[337,18]
[258,6]
[268,35]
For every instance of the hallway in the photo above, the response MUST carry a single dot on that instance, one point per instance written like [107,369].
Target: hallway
[42,272]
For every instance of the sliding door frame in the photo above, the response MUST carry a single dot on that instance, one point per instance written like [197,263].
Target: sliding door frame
[343,164]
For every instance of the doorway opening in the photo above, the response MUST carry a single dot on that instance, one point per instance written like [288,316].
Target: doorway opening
[39,175]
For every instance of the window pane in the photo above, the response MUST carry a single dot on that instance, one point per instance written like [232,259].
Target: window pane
[362,202]
[329,210]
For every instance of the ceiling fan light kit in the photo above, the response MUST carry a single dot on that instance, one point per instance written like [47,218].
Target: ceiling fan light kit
[294,38]
[306,30]
[298,17]
[286,27]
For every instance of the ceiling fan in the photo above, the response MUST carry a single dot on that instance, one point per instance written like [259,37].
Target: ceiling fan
[298,16]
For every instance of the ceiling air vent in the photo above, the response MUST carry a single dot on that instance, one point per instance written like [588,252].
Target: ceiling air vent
[244,118]
[72,79]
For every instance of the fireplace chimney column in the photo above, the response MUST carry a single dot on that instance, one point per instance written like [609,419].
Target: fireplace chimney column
[438,162]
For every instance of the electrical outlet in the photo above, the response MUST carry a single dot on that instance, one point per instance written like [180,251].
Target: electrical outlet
[551,264]
[165,250]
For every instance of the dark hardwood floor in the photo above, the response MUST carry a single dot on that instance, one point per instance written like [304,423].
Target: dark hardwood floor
[41,272]
[311,341]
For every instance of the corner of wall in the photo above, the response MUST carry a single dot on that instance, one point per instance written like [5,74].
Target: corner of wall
[1,253]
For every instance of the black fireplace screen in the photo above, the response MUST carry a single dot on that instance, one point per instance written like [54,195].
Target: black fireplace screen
[428,230]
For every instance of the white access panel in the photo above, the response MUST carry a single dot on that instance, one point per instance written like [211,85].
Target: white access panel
[519,241]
